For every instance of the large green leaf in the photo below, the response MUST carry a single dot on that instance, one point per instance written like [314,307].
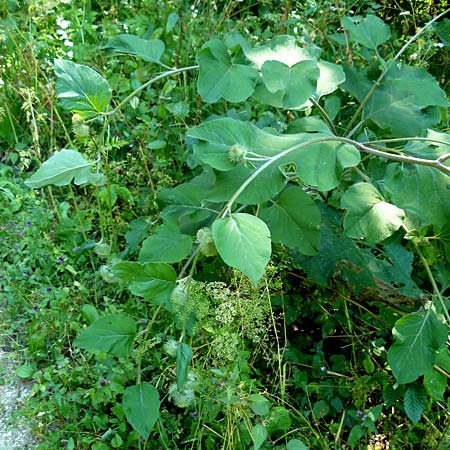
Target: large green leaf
[292,85]
[422,192]
[60,169]
[81,89]
[294,221]
[151,281]
[368,216]
[243,242]
[141,407]
[220,77]
[403,103]
[184,358]
[321,164]
[330,77]
[415,401]
[218,136]
[266,185]
[369,32]
[129,44]
[283,49]
[418,337]
[166,245]
[113,334]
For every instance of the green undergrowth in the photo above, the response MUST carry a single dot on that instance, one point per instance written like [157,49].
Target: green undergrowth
[224,225]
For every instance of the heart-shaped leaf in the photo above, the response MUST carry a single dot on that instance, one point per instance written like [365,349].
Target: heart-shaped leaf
[81,89]
[243,242]
[141,407]
[60,169]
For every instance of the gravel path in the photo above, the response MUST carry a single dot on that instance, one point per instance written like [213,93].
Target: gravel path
[14,432]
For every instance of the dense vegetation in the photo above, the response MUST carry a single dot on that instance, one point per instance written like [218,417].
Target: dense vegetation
[226,224]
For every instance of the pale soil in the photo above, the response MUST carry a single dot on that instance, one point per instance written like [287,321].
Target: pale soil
[14,431]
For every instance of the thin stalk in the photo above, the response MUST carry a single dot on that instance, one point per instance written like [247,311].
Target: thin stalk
[433,282]
[145,85]
[388,66]
[324,115]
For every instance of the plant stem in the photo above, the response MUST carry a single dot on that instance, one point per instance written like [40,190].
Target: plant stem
[437,163]
[325,116]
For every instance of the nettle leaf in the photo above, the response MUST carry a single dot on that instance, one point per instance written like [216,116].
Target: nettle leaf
[166,245]
[113,334]
[60,169]
[418,337]
[151,281]
[423,193]
[149,50]
[183,361]
[294,220]
[141,407]
[415,401]
[292,85]
[81,89]
[220,77]
[243,242]
[368,216]
[369,32]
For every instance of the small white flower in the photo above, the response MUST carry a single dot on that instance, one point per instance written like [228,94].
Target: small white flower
[62,23]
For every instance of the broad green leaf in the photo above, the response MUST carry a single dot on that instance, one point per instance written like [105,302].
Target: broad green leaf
[166,245]
[415,401]
[368,216]
[112,334]
[259,404]
[293,85]
[184,358]
[129,44]
[355,435]
[151,281]
[369,32]
[81,89]
[422,192]
[186,203]
[294,220]
[283,49]
[418,337]
[279,420]
[321,164]
[259,436]
[60,169]
[243,242]
[403,104]
[268,183]
[296,444]
[442,29]
[220,77]
[330,77]
[141,407]
[435,383]
[317,164]
[218,136]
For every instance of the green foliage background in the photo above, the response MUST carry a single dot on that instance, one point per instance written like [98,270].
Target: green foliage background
[225,224]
